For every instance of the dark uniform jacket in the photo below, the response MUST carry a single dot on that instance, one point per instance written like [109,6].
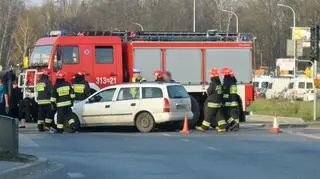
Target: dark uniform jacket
[215,91]
[44,89]
[229,89]
[62,94]
[81,89]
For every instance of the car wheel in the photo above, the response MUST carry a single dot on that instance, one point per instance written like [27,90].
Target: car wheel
[145,122]
[195,108]
[72,123]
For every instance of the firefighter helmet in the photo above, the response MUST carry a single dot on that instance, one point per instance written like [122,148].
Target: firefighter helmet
[214,72]
[60,75]
[80,73]
[158,74]
[226,71]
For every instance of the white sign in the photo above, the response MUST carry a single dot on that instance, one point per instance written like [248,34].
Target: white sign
[285,63]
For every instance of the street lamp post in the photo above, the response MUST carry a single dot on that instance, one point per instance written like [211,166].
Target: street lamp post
[237,18]
[194,15]
[294,40]
[141,27]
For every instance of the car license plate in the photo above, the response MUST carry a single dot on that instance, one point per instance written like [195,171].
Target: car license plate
[181,107]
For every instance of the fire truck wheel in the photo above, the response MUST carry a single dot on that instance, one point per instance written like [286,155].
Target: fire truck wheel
[195,108]
[72,124]
[145,122]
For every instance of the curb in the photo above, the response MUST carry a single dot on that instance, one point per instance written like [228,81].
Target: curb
[17,172]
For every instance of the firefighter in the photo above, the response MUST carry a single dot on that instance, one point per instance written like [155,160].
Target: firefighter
[158,75]
[168,77]
[45,113]
[137,77]
[213,104]
[80,87]
[62,97]
[230,100]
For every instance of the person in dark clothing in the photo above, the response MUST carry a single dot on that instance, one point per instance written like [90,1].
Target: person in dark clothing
[45,112]
[80,87]
[2,106]
[230,100]
[213,104]
[62,97]
[14,100]
[168,77]
[158,75]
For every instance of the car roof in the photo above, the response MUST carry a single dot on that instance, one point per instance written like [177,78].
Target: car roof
[143,84]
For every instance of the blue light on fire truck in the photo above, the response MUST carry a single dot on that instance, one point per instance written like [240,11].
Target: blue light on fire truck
[56,33]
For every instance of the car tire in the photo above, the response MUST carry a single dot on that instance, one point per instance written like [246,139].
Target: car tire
[195,108]
[72,123]
[145,122]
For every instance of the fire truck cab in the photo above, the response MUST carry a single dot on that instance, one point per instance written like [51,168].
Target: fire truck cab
[109,58]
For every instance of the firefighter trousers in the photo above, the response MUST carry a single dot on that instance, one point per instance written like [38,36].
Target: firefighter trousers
[45,115]
[232,117]
[62,112]
[211,116]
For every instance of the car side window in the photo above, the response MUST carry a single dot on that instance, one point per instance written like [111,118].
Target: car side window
[301,85]
[103,96]
[128,93]
[151,92]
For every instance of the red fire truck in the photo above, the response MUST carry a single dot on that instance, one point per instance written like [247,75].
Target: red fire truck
[110,57]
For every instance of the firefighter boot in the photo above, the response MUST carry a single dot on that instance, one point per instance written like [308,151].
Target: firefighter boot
[40,125]
[233,124]
[222,126]
[204,127]
[47,124]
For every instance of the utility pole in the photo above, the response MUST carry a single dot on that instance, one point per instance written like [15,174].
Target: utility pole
[194,15]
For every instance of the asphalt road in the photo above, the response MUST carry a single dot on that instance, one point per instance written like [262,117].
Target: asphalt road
[251,153]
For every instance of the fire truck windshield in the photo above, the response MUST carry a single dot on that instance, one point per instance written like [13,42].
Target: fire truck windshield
[40,56]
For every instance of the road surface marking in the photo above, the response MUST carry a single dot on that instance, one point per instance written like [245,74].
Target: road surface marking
[75,175]
[212,148]
[25,141]
[165,134]
[303,135]
[185,140]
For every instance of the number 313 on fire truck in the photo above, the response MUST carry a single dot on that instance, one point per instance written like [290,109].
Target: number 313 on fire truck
[104,80]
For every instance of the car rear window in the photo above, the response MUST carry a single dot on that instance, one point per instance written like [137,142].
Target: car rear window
[151,92]
[177,91]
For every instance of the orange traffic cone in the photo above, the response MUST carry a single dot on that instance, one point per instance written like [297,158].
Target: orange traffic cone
[275,127]
[185,129]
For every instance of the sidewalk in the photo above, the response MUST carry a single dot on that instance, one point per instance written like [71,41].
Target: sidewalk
[4,165]
[269,119]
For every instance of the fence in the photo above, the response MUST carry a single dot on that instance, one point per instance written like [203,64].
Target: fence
[9,136]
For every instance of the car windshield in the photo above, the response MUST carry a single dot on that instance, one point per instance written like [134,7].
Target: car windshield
[40,55]
[177,91]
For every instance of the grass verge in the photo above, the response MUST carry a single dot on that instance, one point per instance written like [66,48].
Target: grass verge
[285,108]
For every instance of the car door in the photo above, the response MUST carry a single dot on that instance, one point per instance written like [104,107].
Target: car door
[126,105]
[98,109]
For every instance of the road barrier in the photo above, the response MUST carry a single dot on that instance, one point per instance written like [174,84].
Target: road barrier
[9,135]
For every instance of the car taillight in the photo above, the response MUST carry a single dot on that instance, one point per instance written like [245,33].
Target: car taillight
[166,105]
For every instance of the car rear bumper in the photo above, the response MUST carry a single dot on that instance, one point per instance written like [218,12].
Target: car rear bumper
[171,116]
